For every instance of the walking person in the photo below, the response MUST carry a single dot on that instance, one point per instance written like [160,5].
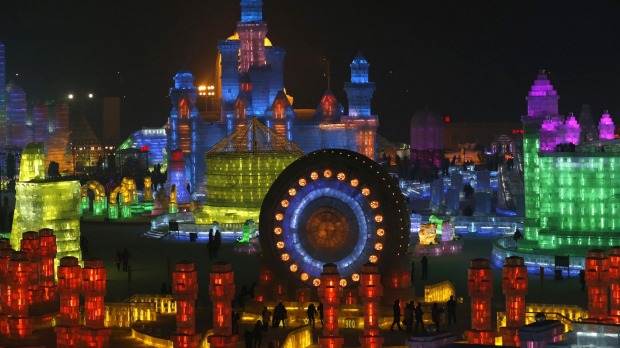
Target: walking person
[311,311]
[117,260]
[451,306]
[436,315]
[258,333]
[266,316]
[320,310]
[408,321]
[419,318]
[217,239]
[396,314]
[125,257]
[424,263]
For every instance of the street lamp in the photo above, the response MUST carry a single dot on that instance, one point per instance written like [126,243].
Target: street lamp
[90,95]
[70,96]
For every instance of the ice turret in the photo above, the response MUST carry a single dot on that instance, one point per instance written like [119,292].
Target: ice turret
[359,90]
[328,110]
[572,130]
[251,11]
[16,115]
[606,127]
[281,116]
[542,100]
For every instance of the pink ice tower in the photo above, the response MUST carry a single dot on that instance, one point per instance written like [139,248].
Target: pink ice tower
[572,130]
[547,135]
[606,127]
[542,99]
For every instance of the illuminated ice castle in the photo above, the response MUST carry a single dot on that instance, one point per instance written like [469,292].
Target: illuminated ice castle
[572,186]
[251,84]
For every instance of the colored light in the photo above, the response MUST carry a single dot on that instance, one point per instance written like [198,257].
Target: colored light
[341,176]
[292,191]
[379,218]
[285,257]
[374,204]
[316,282]
[327,173]
[373,258]
[280,245]
[378,246]
[302,182]
[279,216]
[314,175]
[343,282]
[355,277]
[365,191]
[284,203]
[304,276]
[277,230]
[293,268]
[354,182]
[380,232]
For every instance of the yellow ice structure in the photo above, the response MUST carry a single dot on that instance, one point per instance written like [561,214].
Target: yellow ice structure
[148,190]
[427,233]
[240,170]
[41,203]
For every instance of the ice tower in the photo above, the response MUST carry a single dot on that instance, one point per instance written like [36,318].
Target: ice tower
[2,101]
[542,102]
[359,90]
[40,203]
[184,127]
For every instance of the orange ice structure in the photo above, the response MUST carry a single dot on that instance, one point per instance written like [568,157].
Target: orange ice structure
[614,275]
[480,286]
[222,290]
[371,291]
[330,293]
[514,285]
[93,333]
[597,280]
[185,291]
[69,281]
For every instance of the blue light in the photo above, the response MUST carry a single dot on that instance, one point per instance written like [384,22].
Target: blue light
[251,11]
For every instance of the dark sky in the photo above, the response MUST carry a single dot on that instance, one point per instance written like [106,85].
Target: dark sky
[472,60]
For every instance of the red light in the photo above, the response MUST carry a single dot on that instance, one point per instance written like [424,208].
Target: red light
[446,119]
[144,148]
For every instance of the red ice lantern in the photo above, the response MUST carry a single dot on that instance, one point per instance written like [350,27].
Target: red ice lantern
[330,293]
[48,254]
[514,286]
[598,279]
[614,275]
[69,283]
[222,290]
[18,280]
[370,291]
[480,286]
[31,245]
[185,291]
[93,289]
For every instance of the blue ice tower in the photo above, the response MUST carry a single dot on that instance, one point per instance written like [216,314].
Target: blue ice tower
[275,58]
[183,132]
[251,11]
[2,100]
[359,90]
[260,77]
[229,52]
[16,116]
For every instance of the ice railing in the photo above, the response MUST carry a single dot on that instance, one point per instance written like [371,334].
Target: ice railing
[422,190]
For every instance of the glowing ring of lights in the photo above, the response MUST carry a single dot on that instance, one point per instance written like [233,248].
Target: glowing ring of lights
[344,203]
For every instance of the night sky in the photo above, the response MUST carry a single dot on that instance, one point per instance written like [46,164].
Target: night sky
[472,60]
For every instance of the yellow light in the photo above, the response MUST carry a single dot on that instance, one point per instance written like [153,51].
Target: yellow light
[279,216]
[302,182]
[285,257]
[365,191]
[341,176]
[327,173]
[284,203]
[379,218]
[292,191]
[314,175]
[316,282]
[277,230]
[374,204]
[280,245]
[304,276]
[373,258]
[378,246]
[380,232]
[343,282]
[355,277]
[293,268]
[202,88]
[354,182]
